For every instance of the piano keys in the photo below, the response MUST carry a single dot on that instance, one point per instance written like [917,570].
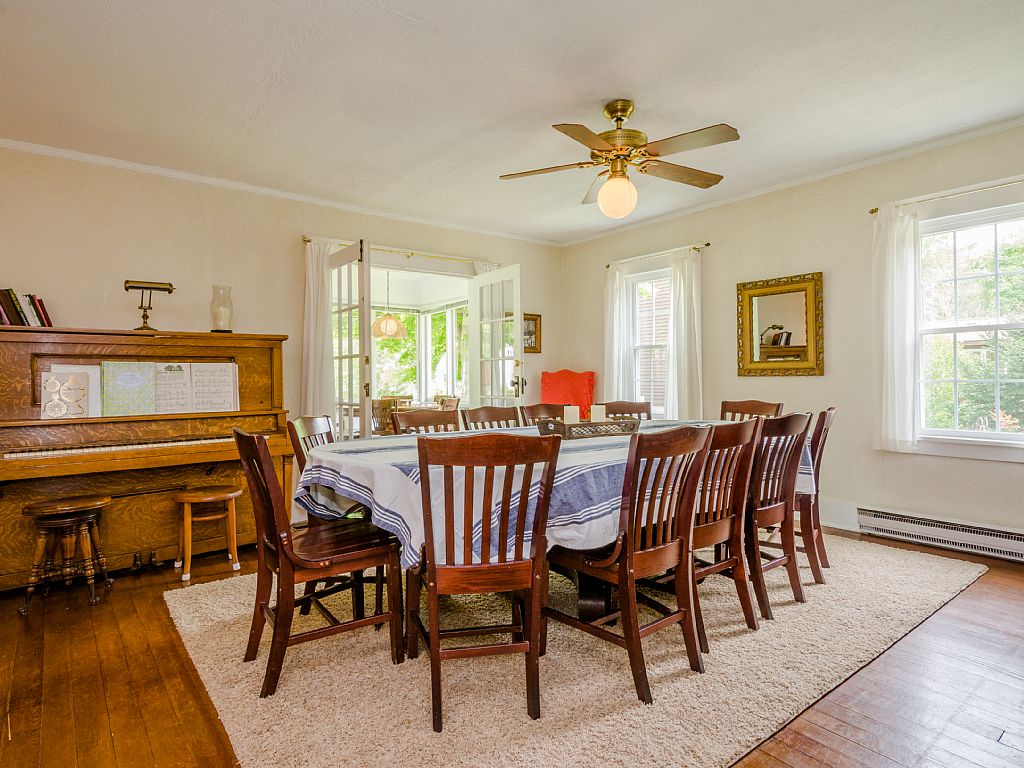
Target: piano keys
[140,461]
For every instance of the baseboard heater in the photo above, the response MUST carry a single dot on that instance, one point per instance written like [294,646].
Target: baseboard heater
[991,542]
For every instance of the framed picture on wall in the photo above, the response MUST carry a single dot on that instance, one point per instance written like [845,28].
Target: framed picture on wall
[531,333]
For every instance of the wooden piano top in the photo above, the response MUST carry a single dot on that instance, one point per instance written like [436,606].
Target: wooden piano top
[31,446]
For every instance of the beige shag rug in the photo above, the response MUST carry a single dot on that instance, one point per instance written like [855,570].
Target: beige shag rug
[342,703]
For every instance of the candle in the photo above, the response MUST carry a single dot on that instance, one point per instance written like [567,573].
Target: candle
[598,413]
[572,414]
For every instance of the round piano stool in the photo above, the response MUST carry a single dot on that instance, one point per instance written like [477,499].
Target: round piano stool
[66,526]
[210,494]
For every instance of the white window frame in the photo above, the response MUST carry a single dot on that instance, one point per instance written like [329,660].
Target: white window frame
[632,281]
[998,446]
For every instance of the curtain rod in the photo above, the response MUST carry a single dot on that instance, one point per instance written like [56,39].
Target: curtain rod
[698,247]
[954,194]
[420,254]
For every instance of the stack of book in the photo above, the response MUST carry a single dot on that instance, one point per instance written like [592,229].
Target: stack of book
[781,339]
[23,309]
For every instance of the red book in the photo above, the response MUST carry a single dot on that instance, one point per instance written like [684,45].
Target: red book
[41,311]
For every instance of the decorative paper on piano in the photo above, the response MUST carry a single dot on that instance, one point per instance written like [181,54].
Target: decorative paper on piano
[129,388]
[95,384]
[64,396]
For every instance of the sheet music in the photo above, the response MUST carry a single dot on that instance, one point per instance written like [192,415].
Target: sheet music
[174,388]
[214,387]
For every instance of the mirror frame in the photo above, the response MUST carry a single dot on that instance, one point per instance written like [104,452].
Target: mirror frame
[812,287]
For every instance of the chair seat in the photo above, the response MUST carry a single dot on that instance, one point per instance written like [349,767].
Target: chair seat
[65,505]
[339,541]
[584,559]
[207,493]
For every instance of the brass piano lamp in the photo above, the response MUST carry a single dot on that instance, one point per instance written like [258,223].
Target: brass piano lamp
[145,289]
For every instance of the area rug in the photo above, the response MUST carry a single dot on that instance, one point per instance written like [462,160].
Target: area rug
[342,703]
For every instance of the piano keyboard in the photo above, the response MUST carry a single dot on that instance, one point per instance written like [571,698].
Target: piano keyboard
[45,453]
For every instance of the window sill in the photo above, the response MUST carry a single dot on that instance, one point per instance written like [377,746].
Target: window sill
[971,448]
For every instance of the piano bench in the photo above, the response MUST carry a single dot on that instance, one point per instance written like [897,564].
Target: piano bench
[67,525]
[209,494]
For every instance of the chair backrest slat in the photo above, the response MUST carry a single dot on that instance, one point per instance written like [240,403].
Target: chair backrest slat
[542,411]
[460,458]
[777,459]
[726,478]
[638,409]
[660,486]
[306,433]
[742,410]
[491,417]
[272,518]
[425,420]
[449,403]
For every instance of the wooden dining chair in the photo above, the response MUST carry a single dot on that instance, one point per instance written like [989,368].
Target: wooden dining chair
[300,556]
[807,503]
[771,502]
[424,421]
[542,411]
[638,409]
[741,410]
[306,433]
[380,412]
[491,417]
[655,536]
[449,404]
[503,467]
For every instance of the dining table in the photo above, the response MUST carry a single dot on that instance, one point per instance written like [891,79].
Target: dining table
[383,473]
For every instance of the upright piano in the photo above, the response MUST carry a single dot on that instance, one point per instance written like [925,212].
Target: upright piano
[137,460]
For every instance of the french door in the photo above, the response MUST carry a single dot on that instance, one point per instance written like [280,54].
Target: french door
[496,338]
[351,321]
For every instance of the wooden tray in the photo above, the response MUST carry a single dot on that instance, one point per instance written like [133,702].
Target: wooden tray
[584,429]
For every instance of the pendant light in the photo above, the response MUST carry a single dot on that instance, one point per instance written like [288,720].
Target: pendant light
[617,196]
[387,326]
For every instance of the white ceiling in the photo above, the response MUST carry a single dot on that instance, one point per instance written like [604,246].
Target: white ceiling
[414,108]
[416,290]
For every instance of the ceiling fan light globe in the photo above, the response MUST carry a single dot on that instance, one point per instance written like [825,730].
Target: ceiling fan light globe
[387,326]
[617,197]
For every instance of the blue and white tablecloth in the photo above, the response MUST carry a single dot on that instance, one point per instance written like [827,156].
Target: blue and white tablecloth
[383,473]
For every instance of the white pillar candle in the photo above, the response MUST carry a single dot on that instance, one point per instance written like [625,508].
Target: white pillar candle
[572,414]
[598,413]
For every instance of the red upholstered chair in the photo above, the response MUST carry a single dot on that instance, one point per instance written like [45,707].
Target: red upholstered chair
[569,387]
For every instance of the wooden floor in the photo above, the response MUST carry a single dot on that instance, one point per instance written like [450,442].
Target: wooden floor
[112,685]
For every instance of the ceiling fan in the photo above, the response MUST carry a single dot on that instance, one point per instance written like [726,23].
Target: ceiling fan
[620,148]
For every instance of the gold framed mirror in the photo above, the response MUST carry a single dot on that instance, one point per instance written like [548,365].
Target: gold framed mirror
[780,326]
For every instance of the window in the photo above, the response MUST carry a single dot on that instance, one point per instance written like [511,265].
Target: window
[651,300]
[970,326]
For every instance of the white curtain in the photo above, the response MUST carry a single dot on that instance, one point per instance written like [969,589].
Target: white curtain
[684,395]
[893,275]
[318,385]
[619,377]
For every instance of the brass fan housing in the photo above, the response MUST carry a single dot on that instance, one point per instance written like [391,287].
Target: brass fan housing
[624,137]
[618,110]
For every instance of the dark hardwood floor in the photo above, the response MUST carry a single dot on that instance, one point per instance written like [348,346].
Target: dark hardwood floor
[112,685]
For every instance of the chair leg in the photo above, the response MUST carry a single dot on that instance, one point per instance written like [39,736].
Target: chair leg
[435,660]
[741,578]
[686,589]
[517,618]
[186,537]
[810,538]
[631,632]
[394,572]
[757,572]
[97,551]
[67,551]
[42,542]
[545,585]
[232,536]
[698,618]
[379,579]
[88,563]
[358,605]
[533,631]
[820,539]
[180,559]
[412,608]
[264,585]
[308,589]
[283,613]
[789,547]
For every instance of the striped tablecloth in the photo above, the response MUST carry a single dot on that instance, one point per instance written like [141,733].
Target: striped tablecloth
[383,474]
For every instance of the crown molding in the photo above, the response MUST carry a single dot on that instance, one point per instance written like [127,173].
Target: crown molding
[240,186]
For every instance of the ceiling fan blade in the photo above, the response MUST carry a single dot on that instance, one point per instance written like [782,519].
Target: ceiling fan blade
[680,173]
[591,196]
[705,137]
[552,169]
[584,136]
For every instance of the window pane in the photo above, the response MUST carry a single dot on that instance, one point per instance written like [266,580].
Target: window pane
[439,384]
[975,251]
[976,355]
[644,298]
[1011,298]
[938,303]
[938,405]
[461,351]
[651,376]
[1011,405]
[1011,354]
[1011,244]
[976,402]
[976,300]
[938,356]
[937,257]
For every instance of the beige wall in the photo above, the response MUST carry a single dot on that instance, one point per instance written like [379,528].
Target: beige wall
[72,232]
[819,226]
